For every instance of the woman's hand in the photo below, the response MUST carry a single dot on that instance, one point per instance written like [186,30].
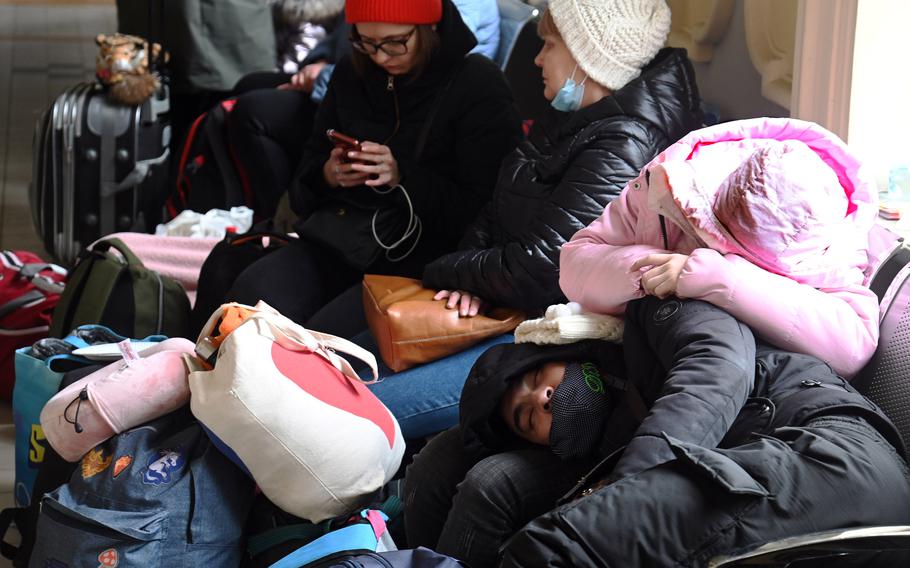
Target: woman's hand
[305,79]
[468,304]
[377,163]
[338,172]
[662,278]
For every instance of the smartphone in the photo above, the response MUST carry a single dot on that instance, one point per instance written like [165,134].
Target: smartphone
[344,142]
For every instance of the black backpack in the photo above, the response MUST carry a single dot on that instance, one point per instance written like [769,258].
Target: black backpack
[209,176]
[224,264]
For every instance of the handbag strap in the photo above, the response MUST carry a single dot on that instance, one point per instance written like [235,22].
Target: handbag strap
[280,238]
[323,344]
[293,336]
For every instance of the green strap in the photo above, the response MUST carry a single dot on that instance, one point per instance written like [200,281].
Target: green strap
[62,319]
[306,532]
[392,507]
[118,245]
[96,275]
[102,277]
[63,312]
[147,289]
[146,300]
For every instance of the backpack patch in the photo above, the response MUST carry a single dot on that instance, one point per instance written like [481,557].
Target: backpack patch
[121,464]
[161,466]
[109,558]
[95,462]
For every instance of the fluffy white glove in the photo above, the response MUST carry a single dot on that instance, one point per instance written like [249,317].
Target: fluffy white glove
[568,323]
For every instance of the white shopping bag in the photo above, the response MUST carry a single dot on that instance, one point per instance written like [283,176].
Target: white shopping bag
[295,414]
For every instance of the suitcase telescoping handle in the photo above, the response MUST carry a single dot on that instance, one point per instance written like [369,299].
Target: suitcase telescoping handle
[137,175]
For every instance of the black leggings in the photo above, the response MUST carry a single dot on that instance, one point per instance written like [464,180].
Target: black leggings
[302,281]
[268,128]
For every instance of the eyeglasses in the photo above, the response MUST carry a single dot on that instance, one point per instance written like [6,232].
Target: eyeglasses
[389,47]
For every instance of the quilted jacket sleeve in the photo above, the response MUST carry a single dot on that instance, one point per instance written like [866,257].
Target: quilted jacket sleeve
[839,326]
[480,234]
[524,272]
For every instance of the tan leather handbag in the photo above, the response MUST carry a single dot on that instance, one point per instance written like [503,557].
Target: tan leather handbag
[412,328]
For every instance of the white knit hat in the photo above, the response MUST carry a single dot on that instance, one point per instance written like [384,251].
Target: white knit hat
[611,40]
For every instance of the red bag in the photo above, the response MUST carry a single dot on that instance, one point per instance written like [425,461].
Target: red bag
[29,290]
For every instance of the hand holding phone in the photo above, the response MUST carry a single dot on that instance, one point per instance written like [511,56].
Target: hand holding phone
[374,166]
[345,142]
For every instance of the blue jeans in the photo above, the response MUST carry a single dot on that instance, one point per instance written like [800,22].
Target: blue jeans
[424,399]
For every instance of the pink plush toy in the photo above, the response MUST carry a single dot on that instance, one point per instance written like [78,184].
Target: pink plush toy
[124,394]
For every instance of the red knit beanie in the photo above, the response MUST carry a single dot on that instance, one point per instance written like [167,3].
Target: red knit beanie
[393,11]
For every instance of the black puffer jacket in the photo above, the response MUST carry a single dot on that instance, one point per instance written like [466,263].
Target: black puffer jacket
[699,372]
[708,387]
[560,180]
[475,126]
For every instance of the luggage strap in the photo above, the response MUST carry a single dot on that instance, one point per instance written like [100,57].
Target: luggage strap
[32,296]
[307,532]
[360,537]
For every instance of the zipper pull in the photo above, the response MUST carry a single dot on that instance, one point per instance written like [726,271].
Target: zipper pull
[390,86]
[818,384]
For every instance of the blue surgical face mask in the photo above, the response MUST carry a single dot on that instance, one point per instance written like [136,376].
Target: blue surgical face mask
[569,97]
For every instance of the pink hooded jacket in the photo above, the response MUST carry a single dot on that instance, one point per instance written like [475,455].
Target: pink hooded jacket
[774,214]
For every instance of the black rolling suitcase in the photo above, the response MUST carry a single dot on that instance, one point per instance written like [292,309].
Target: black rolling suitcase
[99,167]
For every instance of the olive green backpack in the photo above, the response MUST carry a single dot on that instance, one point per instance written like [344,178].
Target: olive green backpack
[117,291]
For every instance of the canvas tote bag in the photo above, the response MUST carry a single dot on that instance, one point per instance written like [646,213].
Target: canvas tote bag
[295,414]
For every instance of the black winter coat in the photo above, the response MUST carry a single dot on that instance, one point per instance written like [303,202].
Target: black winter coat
[475,127]
[560,180]
[697,369]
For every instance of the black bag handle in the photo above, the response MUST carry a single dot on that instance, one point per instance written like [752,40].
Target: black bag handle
[7,517]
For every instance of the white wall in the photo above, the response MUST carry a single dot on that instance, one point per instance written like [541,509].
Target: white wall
[730,81]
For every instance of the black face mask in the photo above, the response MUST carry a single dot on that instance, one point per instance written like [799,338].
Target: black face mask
[581,407]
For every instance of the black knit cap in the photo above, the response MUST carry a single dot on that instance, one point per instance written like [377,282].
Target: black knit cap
[580,406]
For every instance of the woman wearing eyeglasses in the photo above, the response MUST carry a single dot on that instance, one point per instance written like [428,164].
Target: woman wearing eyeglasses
[432,125]
[268,127]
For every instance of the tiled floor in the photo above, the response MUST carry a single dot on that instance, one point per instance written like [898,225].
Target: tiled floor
[45,46]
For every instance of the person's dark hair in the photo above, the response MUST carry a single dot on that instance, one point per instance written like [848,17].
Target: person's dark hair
[427,43]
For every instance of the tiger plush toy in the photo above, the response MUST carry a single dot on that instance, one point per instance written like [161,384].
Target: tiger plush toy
[122,66]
